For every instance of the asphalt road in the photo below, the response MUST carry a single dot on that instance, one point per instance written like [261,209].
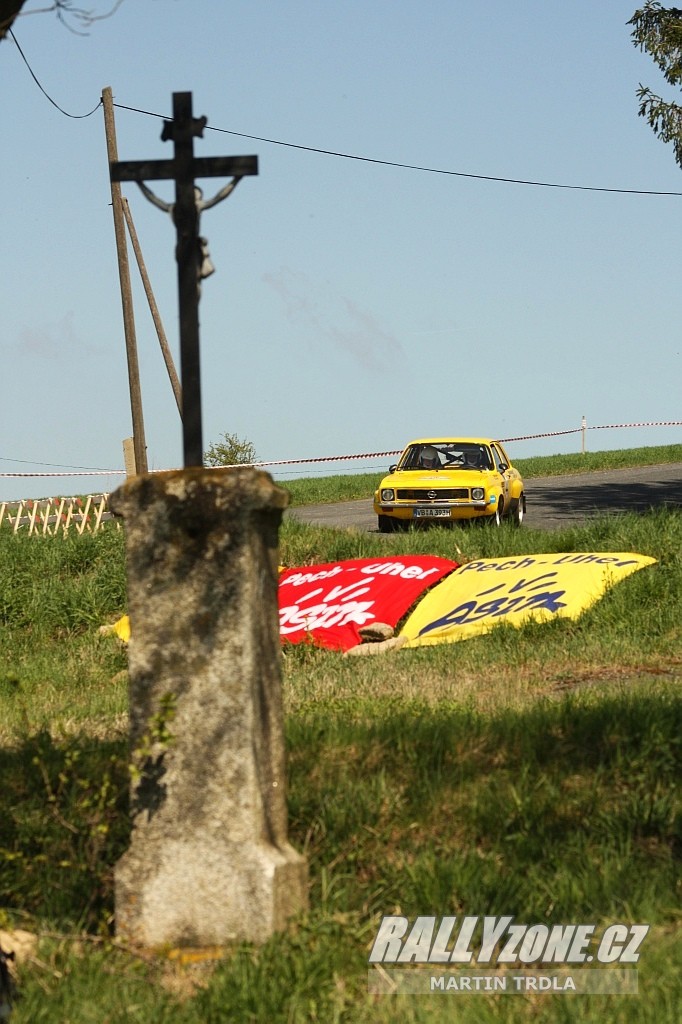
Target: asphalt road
[552,502]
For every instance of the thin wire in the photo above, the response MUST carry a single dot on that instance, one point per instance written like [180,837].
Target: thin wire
[55,465]
[353,156]
[416,167]
[54,104]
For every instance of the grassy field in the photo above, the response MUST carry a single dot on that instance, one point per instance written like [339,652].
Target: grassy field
[532,773]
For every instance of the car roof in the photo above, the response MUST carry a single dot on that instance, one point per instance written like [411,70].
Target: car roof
[453,440]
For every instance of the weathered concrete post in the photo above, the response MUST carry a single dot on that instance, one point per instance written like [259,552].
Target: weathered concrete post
[209,860]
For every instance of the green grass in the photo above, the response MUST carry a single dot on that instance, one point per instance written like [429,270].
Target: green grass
[591,462]
[530,772]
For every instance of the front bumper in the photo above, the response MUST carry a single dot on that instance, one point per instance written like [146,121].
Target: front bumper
[434,511]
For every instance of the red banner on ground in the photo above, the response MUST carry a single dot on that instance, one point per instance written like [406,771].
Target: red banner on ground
[327,604]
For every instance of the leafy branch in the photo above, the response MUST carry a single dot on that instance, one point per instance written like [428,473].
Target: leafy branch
[657,30]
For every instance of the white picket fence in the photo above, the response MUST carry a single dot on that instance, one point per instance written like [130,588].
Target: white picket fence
[56,516]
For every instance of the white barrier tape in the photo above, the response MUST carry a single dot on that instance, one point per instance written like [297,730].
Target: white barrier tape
[660,423]
[331,458]
[85,472]
[240,465]
[365,455]
[606,426]
[552,433]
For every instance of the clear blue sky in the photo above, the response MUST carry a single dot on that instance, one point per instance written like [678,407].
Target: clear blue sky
[355,305]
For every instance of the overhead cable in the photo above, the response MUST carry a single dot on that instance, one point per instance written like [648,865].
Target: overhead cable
[47,96]
[362,159]
[416,167]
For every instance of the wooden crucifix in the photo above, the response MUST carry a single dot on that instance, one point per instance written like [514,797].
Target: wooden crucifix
[184,168]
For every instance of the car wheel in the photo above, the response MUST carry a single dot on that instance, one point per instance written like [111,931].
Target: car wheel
[386,524]
[496,518]
[519,510]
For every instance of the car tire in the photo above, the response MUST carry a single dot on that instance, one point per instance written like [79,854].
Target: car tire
[519,510]
[496,518]
[386,524]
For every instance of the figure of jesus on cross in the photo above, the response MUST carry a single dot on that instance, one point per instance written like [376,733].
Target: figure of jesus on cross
[206,267]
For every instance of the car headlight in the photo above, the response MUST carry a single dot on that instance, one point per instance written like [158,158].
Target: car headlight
[388,494]
[477,493]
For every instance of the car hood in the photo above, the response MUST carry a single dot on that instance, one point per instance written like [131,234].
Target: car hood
[437,478]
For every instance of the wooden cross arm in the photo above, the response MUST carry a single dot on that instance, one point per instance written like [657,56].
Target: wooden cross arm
[201,167]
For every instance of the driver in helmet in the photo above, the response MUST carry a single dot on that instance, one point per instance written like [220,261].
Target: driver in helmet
[429,457]
[472,460]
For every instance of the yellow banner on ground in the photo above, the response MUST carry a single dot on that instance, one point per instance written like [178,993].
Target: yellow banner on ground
[122,628]
[517,590]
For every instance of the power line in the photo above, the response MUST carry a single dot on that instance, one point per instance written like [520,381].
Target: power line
[47,96]
[358,158]
[55,465]
[440,170]
[416,167]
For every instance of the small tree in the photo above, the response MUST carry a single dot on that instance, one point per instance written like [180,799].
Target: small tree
[230,450]
[658,30]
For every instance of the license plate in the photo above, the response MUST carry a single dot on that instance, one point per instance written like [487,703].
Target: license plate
[432,513]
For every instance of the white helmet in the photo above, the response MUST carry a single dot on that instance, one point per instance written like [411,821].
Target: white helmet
[429,457]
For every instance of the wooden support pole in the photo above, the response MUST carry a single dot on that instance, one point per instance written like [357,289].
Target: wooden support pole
[126,293]
[154,309]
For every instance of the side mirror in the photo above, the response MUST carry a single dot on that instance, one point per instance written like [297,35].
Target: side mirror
[393,468]
[503,467]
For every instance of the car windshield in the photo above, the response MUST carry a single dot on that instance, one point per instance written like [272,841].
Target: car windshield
[446,455]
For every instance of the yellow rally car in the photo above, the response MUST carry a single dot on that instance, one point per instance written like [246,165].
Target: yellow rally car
[448,479]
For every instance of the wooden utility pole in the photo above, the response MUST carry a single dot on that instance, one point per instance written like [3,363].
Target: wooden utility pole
[139,442]
[183,169]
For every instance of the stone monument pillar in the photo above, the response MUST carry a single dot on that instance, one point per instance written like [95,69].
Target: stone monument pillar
[209,861]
